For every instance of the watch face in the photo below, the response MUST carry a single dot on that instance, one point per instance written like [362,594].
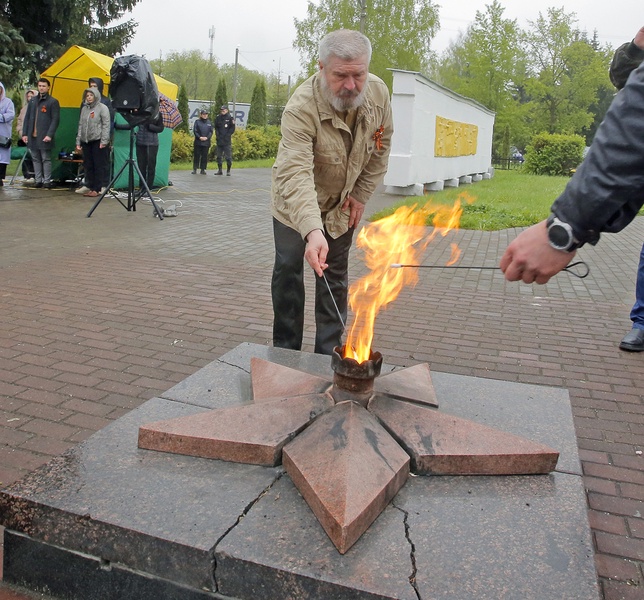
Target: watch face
[559,236]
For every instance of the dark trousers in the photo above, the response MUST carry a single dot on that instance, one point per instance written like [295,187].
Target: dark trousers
[225,152]
[95,163]
[287,289]
[146,159]
[200,158]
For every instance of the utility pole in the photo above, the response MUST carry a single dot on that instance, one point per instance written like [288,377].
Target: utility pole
[211,34]
[235,85]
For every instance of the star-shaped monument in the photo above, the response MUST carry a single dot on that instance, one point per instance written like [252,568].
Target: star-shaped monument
[347,453]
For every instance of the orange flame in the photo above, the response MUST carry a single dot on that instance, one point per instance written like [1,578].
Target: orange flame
[400,238]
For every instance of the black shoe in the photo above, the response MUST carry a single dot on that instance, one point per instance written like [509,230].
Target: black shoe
[228,173]
[633,341]
[220,172]
[38,185]
[49,185]
[194,172]
[202,172]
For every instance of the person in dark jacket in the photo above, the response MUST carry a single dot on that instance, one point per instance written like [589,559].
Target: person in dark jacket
[627,58]
[41,121]
[203,134]
[147,148]
[604,195]
[224,129]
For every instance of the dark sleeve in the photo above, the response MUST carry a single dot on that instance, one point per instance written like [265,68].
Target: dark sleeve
[156,126]
[26,120]
[55,118]
[626,59]
[607,190]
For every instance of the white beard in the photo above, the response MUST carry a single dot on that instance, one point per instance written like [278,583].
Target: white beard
[341,103]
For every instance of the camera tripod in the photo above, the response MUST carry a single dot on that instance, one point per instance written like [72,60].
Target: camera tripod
[132,196]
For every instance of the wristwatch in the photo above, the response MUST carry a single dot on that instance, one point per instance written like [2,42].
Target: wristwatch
[560,235]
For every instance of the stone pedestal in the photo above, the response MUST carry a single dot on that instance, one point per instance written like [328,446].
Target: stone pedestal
[109,521]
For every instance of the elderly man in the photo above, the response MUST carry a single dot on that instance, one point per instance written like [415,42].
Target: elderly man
[336,133]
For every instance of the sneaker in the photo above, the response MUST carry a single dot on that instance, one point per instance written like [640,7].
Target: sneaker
[82,190]
[29,181]
[202,172]
[38,185]
[49,185]
[194,172]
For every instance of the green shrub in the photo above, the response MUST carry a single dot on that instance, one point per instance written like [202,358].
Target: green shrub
[182,146]
[252,143]
[553,154]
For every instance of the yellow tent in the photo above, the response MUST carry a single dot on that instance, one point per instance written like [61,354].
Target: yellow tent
[69,77]
[70,73]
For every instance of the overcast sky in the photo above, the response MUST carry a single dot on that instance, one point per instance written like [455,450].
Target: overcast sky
[264,29]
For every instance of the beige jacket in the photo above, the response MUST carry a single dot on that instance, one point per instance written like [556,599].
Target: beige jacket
[313,173]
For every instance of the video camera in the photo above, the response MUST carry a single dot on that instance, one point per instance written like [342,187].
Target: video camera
[133,89]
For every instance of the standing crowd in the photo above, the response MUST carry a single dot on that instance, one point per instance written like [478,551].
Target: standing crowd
[36,126]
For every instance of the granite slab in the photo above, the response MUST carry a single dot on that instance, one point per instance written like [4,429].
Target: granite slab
[121,518]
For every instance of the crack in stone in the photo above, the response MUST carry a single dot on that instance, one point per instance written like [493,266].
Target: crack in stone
[412,551]
[238,520]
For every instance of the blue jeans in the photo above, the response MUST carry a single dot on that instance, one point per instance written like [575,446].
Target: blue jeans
[637,313]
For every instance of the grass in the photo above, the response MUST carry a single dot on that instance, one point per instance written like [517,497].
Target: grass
[509,199]
[264,163]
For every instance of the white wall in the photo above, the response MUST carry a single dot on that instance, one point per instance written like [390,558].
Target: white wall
[413,165]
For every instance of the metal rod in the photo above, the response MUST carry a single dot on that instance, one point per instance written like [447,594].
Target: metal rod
[582,269]
[328,287]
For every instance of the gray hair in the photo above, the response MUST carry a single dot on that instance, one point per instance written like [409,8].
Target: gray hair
[345,44]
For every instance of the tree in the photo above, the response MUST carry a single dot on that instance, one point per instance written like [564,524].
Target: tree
[221,96]
[184,109]
[192,69]
[49,27]
[400,32]
[488,64]
[567,73]
[15,55]
[257,111]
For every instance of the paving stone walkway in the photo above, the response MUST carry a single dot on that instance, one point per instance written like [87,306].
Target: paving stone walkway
[100,314]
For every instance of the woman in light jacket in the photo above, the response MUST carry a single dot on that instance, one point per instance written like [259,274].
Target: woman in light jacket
[93,140]
[7,114]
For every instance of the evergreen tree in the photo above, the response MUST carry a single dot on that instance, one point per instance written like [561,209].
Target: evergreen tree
[47,28]
[257,111]
[221,95]
[184,109]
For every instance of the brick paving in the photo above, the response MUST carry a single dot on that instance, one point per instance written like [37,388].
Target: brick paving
[100,314]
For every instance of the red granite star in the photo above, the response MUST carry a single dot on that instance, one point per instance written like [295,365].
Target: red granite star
[347,460]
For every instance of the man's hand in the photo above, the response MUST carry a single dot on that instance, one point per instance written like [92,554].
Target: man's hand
[46,139]
[530,257]
[24,139]
[356,208]
[638,40]
[316,251]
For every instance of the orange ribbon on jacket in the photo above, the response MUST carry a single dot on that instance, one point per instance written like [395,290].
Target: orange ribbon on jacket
[377,137]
